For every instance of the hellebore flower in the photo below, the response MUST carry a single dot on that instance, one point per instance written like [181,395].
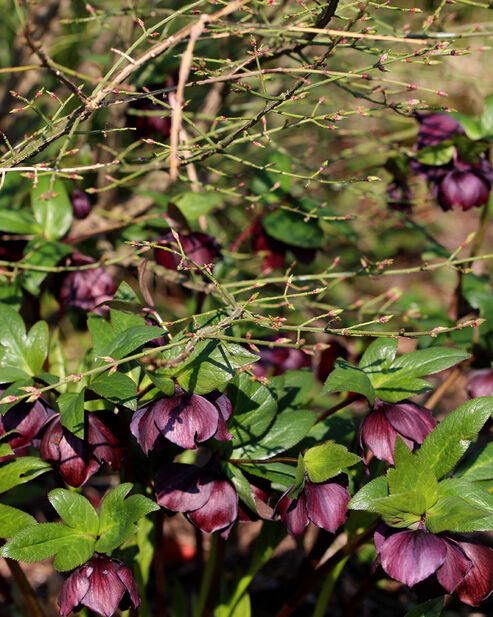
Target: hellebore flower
[279,360]
[102,584]
[184,419]
[386,421]
[78,459]
[158,121]
[81,205]
[86,289]
[275,250]
[325,504]
[208,500]
[435,128]
[467,186]
[480,383]
[26,419]
[436,564]
[198,246]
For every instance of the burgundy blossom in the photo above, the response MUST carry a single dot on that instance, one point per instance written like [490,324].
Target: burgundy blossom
[158,120]
[279,360]
[386,421]
[200,247]
[480,383]
[208,500]
[80,204]
[434,564]
[466,186]
[78,459]
[184,419]
[325,504]
[26,419]
[274,251]
[102,585]
[435,128]
[86,289]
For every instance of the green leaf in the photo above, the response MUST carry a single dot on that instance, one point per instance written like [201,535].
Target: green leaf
[194,205]
[439,154]
[288,429]
[449,513]
[52,208]
[118,515]
[240,483]
[293,388]
[57,361]
[71,406]
[486,119]
[299,479]
[348,378]
[124,343]
[116,388]
[18,222]
[411,471]
[13,520]
[161,381]
[473,494]
[364,499]
[102,334]
[327,460]
[75,510]
[401,510]
[13,340]
[254,407]
[478,466]
[379,355]
[431,608]
[211,365]
[445,445]
[5,449]
[277,473]
[20,471]
[36,347]
[37,542]
[471,126]
[41,252]
[293,228]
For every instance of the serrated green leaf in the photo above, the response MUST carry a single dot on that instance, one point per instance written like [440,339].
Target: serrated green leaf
[13,520]
[379,355]
[194,205]
[240,483]
[449,513]
[36,346]
[254,407]
[475,495]
[293,388]
[13,340]
[364,499]
[211,365]
[71,406]
[478,466]
[277,473]
[75,510]
[288,429]
[118,515]
[161,381]
[38,542]
[52,208]
[41,252]
[348,378]
[299,479]
[20,471]
[445,445]
[116,388]
[411,471]
[327,460]
[124,343]
[401,510]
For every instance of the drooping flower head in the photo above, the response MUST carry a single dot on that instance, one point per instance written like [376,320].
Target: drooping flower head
[465,185]
[480,383]
[149,117]
[435,128]
[26,420]
[278,360]
[184,419]
[207,498]
[102,585]
[81,204]
[386,421]
[324,503]
[78,459]
[274,251]
[200,247]
[435,564]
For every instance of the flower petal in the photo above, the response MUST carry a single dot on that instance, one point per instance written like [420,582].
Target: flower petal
[478,582]
[144,428]
[326,504]
[186,419]
[454,568]
[105,587]
[379,435]
[73,590]
[183,488]
[412,556]
[105,445]
[125,575]
[293,513]
[220,511]
[222,403]
[410,420]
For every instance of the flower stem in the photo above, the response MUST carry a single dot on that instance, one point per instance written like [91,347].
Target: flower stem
[159,571]
[212,574]
[32,605]
[328,412]
[327,588]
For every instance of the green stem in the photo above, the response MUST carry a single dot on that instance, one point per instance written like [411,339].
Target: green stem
[33,606]
[327,588]
[206,588]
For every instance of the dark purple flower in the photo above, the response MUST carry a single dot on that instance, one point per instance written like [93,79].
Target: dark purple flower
[326,363]
[209,500]
[78,459]
[386,421]
[184,419]
[399,196]
[26,419]
[274,251]
[264,511]
[464,186]
[200,247]
[86,289]
[325,504]
[435,128]
[279,360]
[158,120]
[80,204]
[12,250]
[102,584]
[437,563]
[480,383]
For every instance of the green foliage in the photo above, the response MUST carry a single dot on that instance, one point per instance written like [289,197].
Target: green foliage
[327,460]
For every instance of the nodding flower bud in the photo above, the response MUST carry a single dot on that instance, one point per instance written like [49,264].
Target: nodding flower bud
[466,186]
[80,204]
[435,128]
[102,585]
[25,420]
[197,246]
